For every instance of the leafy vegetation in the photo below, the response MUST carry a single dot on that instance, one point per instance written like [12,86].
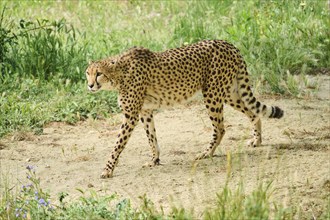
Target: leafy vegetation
[43,55]
[32,202]
[45,47]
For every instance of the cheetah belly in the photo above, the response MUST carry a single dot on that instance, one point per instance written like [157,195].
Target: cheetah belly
[162,98]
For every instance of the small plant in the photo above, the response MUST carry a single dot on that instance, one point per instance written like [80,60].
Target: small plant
[31,202]
[236,204]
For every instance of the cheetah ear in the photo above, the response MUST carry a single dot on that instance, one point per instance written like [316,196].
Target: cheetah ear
[90,62]
[113,60]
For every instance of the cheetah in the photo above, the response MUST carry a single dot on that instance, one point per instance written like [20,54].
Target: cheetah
[147,81]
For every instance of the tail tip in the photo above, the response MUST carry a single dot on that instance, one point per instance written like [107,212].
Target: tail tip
[277,112]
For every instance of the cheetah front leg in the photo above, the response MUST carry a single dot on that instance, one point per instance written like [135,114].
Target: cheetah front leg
[126,129]
[148,121]
[131,118]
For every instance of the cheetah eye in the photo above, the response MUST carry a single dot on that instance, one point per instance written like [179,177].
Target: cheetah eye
[98,74]
[87,73]
[112,62]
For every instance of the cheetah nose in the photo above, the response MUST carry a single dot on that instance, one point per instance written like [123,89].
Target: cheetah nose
[90,85]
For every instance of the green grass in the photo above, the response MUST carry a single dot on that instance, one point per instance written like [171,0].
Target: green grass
[45,47]
[31,201]
[33,103]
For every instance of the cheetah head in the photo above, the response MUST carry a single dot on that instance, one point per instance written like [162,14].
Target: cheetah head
[101,75]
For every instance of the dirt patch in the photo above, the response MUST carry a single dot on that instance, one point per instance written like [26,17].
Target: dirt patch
[294,155]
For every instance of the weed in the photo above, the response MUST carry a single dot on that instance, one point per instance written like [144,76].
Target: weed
[30,203]
[44,48]
[43,56]
[236,204]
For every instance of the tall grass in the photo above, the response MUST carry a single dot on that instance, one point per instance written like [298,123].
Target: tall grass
[45,47]
[41,49]
[275,37]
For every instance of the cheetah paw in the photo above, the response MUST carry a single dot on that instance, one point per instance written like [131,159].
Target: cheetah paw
[152,163]
[254,143]
[203,156]
[106,174]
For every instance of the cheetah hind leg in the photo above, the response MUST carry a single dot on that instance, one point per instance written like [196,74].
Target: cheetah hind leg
[234,101]
[147,119]
[152,163]
[256,141]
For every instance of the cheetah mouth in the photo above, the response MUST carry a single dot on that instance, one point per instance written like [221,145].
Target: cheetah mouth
[93,90]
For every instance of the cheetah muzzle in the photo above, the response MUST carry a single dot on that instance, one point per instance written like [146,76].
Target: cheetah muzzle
[148,80]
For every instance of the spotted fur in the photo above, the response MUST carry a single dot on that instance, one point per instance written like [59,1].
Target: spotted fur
[149,80]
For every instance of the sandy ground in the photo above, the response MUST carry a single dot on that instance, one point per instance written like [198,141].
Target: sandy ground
[295,156]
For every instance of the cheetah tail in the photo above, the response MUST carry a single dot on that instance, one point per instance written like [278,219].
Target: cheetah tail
[276,112]
[253,104]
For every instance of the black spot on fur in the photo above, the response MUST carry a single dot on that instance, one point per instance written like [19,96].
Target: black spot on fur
[276,112]
[252,100]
